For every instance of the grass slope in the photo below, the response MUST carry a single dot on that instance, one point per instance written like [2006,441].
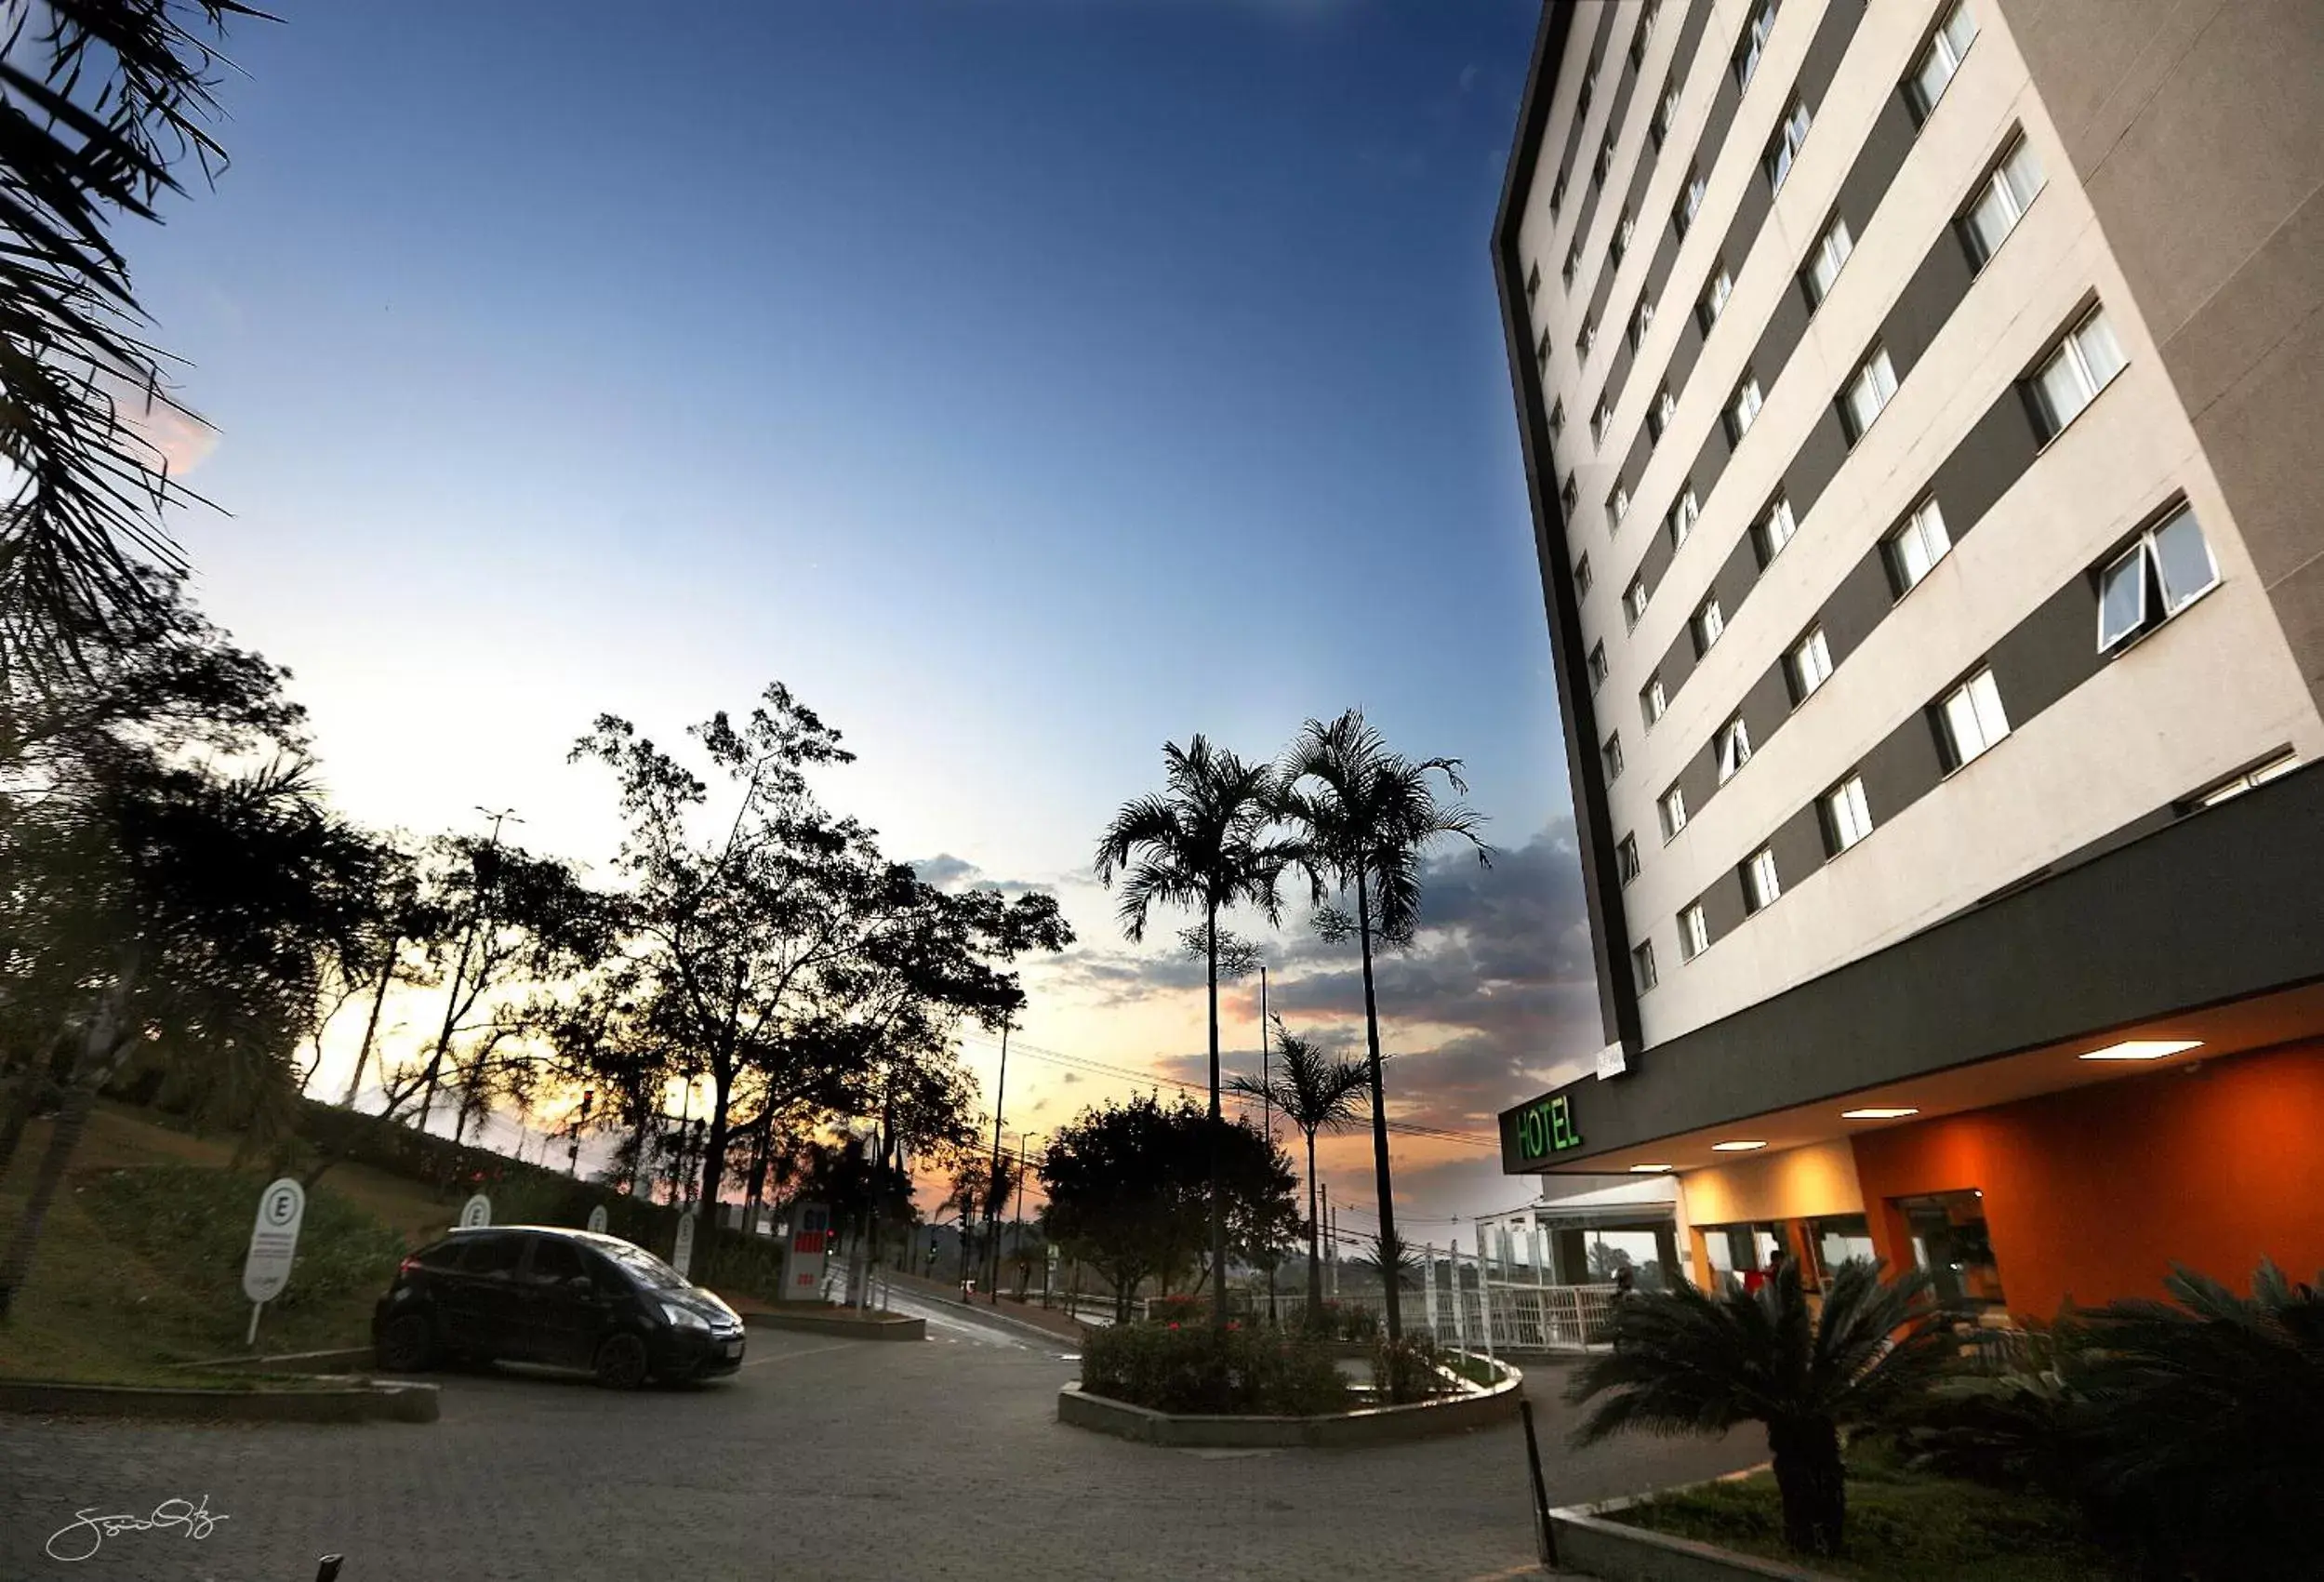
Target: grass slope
[141,1264]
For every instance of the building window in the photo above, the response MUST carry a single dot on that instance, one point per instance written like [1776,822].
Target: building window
[1810,663]
[1783,151]
[1715,295]
[1643,965]
[1611,755]
[1557,412]
[1760,886]
[1533,283]
[1571,495]
[1674,813]
[1847,818]
[1755,31]
[1617,507]
[1776,527]
[2250,780]
[1658,416]
[1626,858]
[1665,112]
[1605,158]
[2169,568]
[1587,338]
[1694,933]
[1598,665]
[1971,719]
[2070,378]
[1744,410]
[1867,393]
[1916,547]
[1651,703]
[1581,578]
[1690,201]
[1683,515]
[1824,264]
[1645,27]
[1624,228]
[1641,322]
[1590,88]
[1541,354]
[1734,748]
[1709,623]
[1573,263]
[2001,203]
[1599,416]
[1940,60]
[1557,202]
[1634,602]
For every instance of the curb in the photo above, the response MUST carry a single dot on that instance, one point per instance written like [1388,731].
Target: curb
[865,1327]
[396,1402]
[1614,1552]
[1369,1426]
[346,1358]
[1004,1320]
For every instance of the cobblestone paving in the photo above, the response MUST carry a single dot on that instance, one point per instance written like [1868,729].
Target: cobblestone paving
[822,1458]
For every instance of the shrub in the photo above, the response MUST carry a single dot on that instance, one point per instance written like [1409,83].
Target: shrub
[1194,1368]
[1180,1309]
[1406,1369]
[196,1222]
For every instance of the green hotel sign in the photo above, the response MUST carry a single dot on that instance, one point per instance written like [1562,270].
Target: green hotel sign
[1546,1128]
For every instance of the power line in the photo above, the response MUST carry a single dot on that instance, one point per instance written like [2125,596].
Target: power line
[1091,1067]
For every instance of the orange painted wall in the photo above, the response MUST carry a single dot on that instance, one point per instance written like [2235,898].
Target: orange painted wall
[2091,1193]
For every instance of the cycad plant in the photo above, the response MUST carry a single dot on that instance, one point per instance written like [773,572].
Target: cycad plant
[1366,816]
[1688,1362]
[1204,845]
[2194,1429]
[1315,1094]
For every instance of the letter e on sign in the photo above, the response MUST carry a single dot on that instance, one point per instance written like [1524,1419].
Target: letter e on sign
[273,1239]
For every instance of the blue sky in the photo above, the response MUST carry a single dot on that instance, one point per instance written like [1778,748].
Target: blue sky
[1024,384]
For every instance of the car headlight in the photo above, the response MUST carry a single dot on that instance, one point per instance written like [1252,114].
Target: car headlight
[683,1317]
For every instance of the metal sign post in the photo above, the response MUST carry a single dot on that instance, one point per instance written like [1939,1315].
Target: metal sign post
[681,1255]
[475,1212]
[597,1220]
[274,1244]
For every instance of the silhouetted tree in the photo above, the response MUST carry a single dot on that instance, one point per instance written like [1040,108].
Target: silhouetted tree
[1316,1093]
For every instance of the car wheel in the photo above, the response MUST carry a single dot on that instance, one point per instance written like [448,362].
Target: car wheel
[404,1345]
[620,1363]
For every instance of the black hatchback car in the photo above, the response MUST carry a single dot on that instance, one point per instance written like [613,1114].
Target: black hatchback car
[543,1293]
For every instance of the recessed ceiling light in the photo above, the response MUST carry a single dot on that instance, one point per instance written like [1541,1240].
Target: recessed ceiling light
[2144,1049]
[1737,1147]
[1896,1115]
[1649,1169]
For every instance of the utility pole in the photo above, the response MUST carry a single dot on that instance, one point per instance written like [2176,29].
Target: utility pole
[1324,1239]
[1267,1110]
[468,941]
[992,1182]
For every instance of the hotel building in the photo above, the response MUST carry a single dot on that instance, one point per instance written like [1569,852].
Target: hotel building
[1919,403]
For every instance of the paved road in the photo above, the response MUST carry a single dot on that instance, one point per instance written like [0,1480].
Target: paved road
[823,1458]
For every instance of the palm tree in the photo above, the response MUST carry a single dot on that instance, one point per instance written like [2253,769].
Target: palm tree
[1367,816]
[107,110]
[1316,1093]
[1202,845]
[1686,1362]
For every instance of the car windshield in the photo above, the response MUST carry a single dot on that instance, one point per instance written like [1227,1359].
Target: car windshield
[644,1268]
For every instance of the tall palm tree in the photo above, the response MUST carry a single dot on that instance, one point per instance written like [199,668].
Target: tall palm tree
[1204,843]
[1367,816]
[1687,1361]
[1315,1094]
[106,112]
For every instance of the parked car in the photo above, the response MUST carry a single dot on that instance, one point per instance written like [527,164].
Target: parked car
[543,1293]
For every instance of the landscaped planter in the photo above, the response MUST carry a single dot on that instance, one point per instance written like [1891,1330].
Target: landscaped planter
[352,1401]
[848,1324]
[1370,1425]
[1611,1551]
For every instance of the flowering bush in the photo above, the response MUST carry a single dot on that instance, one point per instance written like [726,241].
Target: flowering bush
[1180,1308]
[1194,1368]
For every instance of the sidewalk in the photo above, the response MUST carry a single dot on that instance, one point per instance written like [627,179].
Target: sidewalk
[1029,1314]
